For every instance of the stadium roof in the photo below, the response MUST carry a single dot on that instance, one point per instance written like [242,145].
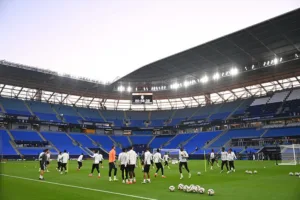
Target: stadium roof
[250,48]
[272,38]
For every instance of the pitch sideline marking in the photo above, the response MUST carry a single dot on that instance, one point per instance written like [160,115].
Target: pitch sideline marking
[79,187]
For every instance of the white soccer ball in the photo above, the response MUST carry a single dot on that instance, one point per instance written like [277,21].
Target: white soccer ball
[198,173]
[255,172]
[249,172]
[297,174]
[202,191]
[172,188]
[210,192]
[198,187]
[189,189]
[180,186]
[185,188]
[195,189]
[291,174]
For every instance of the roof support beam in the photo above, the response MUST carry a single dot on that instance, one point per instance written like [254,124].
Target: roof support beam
[221,96]
[91,101]
[77,100]
[117,105]
[196,101]
[170,103]
[183,102]
[20,92]
[233,94]
[279,84]
[64,98]
[263,88]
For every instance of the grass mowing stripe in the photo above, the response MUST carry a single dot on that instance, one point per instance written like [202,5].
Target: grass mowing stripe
[79,187]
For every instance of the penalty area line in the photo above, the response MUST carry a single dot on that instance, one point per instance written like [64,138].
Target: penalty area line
[79,187]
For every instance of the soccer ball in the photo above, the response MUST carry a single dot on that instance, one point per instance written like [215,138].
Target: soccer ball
[172,188]
[210,192]
[198,188]
[297,174]
[247,172]
[180,186]
[195,189]
[198,173]
[202,190]
[255,172]
[189,189]
[291,174]
[185,188]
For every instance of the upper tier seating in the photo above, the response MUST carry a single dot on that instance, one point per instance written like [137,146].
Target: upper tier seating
[137,115]
[137,123]
[82,139]
[62,142]
[237,133]
[14,106]
[200,139]
[164,115]
[184,113]
[281,132]
[26,135]
[243,106]
[225,110]
[137,139]
[160,140]
[278,97]
[5,146]
[90,114]
[43,111]
[69,113]
[112,114]
[177,140]
[294,95]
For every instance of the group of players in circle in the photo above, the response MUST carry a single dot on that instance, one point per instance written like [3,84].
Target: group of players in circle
[128,159]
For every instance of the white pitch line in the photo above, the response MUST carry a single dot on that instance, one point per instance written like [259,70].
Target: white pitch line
[79,187]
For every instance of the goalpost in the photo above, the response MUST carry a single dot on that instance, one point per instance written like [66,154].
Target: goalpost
[290,154]
[173,154]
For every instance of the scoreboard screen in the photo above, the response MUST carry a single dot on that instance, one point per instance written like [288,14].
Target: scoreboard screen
[142,98]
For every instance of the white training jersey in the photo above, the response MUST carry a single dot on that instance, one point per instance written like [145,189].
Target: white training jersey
[80,158]
[212,155]
[166,157]
[48,157]
[157,157]
[59,158]
[224,156]
[65,157]
[183,155]
[40,156]
[231,156]
[132,156]
[123,158]
[97,158]
[147,160]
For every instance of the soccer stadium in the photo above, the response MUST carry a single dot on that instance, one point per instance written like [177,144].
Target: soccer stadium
[239,94]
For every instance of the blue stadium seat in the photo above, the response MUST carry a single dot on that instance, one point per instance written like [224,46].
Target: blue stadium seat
[6,147]
[105,142]
[90,114]
[178,139]
[160,140]
[82,139]
[137,139]
[62,142]
[26,135]
[123,140]
[200,139]
[14,106]
[282,132]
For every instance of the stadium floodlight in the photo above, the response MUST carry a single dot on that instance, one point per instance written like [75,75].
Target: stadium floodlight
[121,88]
[129,89]
[253,66]
[186,83]
[280,60]
[296,55]
[234,71]
[216,76]
[275,61]
[265,64]
[204,79]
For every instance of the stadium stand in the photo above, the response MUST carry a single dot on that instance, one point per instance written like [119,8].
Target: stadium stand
[123,141]
[159,141]
[69,114]
[14,106]
[237,133]
[62,142]
[200,140]
[82,139]
[137,139]
[7,149]
[283,132]
[43,111]
[177,140]
[90,114]
[105,142]
[26,135]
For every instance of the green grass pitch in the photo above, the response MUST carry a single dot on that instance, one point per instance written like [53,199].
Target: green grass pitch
[272,182]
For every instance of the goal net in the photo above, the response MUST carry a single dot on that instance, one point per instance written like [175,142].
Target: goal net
[290,154]
[173,154]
